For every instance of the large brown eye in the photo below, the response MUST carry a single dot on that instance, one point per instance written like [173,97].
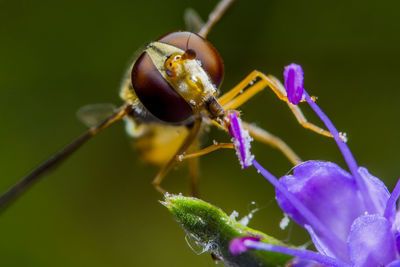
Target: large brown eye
[156,94]
[210,59]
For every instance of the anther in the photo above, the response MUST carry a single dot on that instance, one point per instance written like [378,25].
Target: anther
[293,75]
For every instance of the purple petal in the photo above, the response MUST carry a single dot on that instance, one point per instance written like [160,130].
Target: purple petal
[241,139]
[237,245]
[394,264]
[377,190]
[319,245]
[300,208]
[396,230]
[325,189]
[293,75]
[371,242]
[397,240]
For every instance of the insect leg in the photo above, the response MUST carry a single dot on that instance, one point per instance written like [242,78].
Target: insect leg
[20,187]
[258,134]
[193,158]
[185,145]
[299,114]
[243,86]
[256,82]
[194,169]
[204,151]
[265,137]
[215,16]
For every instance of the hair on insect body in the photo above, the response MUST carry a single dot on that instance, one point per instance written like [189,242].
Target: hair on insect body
[170,94]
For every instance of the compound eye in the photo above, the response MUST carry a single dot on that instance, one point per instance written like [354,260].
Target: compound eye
[196,46]
[155,93]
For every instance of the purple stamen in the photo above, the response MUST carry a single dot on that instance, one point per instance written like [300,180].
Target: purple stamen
[300,207]
[293,76]
[391,203]
[304,254]
[348,156]
[241,140]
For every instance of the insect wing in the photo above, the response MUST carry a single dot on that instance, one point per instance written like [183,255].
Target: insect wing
[93,114]
[193,21]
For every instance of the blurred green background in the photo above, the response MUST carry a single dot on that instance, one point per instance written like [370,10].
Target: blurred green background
[99,208]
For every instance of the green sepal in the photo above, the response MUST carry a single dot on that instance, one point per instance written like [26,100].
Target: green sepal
[212,229]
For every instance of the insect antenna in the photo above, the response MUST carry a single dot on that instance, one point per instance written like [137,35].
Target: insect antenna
[189,53]
[46,167]
[187,42]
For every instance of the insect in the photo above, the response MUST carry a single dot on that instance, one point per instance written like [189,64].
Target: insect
[170,94]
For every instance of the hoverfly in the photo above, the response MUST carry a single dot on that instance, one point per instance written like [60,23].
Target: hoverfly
[170,94]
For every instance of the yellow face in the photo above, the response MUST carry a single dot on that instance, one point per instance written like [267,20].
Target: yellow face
[183,72]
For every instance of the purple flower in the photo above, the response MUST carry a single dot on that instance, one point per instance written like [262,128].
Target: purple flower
[293,76]
[350,216]
[331,194]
